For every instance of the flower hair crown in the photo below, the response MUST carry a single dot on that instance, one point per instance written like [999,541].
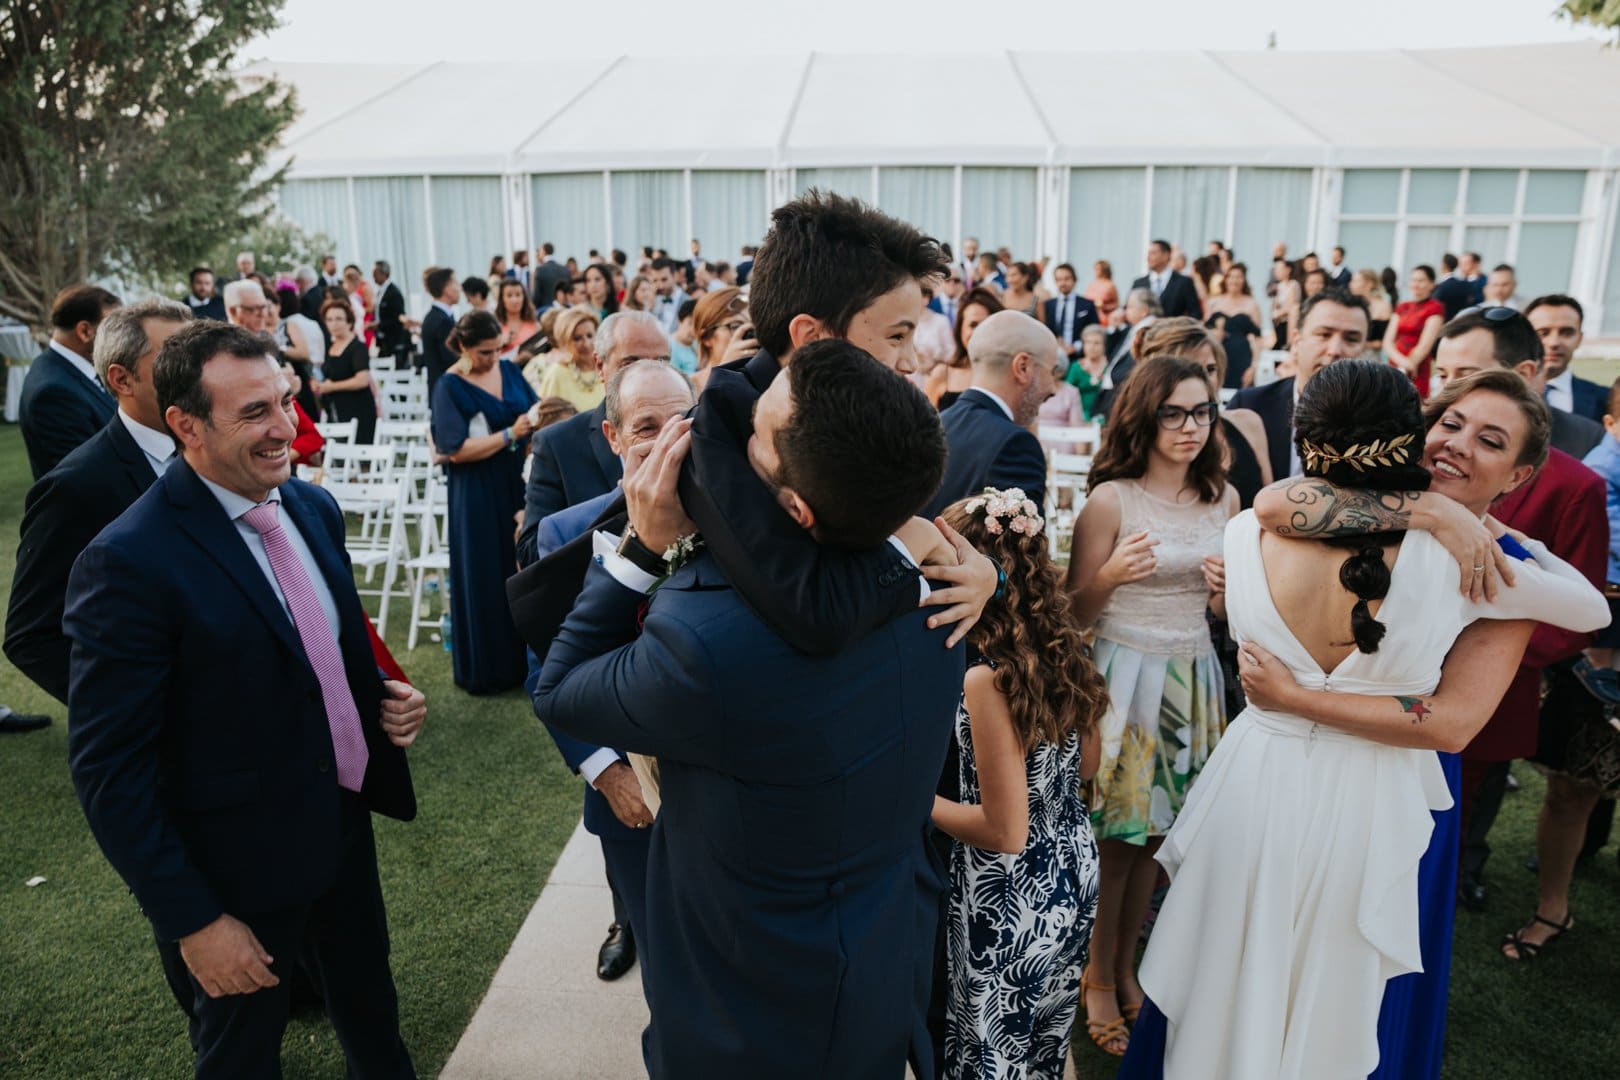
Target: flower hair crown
[1376,453]
[1010,505]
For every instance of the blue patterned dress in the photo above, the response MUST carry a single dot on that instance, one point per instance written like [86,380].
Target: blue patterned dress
[1020,926]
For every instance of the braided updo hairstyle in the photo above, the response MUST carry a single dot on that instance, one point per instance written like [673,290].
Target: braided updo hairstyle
[1359,424]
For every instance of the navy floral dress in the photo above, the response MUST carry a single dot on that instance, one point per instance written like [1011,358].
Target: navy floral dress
[1020,926]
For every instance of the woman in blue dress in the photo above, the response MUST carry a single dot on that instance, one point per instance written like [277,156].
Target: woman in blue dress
[481,425]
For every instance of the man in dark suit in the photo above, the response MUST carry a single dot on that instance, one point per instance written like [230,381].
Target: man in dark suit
[641,399]
[1015,368]
[1558,320]
[548,274]
[1338,271]
[311,292]
[89,488]
[572,460]
[63,402]
[204,299]
[1333,326]
[444,290]
[229,732]
[1479,340]
[1454,291]
[794,816]
[1141,308]
[1176,292]
[393,339]
[1069,313]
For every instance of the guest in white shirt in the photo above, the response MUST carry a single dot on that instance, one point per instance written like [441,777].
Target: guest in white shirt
[667,306]
[1558,320]
[1502,288]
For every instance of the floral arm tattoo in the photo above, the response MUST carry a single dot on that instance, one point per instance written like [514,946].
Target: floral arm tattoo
[1320,509]
[1416,706]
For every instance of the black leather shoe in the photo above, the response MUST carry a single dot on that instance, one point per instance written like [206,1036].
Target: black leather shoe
[617,955]
[1472,894]
[12,722]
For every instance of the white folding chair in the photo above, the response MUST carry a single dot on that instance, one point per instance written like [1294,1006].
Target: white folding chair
[1065,473]
[432,557]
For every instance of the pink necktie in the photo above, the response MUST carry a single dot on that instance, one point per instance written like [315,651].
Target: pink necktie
[348,740]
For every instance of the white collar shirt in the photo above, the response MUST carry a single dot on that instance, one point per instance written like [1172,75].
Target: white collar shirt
[158,446]
[1561,391]
[80,364]
[999,403]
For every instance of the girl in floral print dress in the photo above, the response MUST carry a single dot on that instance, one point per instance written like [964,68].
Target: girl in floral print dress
[1024,870]
[1147,563]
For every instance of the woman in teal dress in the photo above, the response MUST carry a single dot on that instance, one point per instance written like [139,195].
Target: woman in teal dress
[481,424]
[1086,373]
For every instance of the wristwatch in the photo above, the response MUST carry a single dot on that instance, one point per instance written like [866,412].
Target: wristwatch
[640,555]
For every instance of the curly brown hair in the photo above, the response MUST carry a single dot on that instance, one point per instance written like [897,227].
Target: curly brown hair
[1133,428]
[1042,665]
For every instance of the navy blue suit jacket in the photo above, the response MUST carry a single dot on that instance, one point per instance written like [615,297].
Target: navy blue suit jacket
[572,463]
[987,450]
[1082,313]
[1591,399]
[791,894]
[556,530]
[60,410]
[1456,294]
[197,735]
[1275,404]
[436,354]
[214,309]
[62,513]
[1180,296]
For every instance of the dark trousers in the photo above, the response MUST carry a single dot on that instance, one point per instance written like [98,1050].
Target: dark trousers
[342,940]
[625,858]
[1483,785]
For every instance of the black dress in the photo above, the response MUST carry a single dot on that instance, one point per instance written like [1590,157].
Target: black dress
[352,404]
[1239,355]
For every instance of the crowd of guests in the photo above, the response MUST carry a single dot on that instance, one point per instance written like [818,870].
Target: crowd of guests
[721,510]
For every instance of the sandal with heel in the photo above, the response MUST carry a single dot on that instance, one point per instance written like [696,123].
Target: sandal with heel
[1104,1032]
[1527,950]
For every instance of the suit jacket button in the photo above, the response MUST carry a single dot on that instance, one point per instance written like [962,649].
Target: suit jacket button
[323,765]
[836,889]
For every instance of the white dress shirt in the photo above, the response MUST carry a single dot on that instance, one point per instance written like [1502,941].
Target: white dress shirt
[1561,392]
[1157,281]
[80,364]
[158,446]
[1001,404]
[235,506]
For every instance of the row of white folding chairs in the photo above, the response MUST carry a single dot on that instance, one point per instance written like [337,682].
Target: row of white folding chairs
[1064,473]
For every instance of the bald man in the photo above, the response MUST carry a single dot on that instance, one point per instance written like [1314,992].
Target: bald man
[990,428]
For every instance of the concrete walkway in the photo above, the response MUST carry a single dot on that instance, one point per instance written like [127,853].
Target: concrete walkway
[546,1013]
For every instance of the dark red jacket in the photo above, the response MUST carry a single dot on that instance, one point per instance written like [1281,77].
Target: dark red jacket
[1563,507]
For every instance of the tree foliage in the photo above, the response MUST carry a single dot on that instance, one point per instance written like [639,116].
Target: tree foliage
[128,146]
[1603,14]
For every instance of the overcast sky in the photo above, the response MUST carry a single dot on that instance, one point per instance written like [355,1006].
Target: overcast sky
[530,32]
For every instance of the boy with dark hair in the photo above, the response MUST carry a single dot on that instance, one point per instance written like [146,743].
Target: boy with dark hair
[437,356]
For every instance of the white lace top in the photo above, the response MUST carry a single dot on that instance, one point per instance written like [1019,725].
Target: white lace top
[1164,614]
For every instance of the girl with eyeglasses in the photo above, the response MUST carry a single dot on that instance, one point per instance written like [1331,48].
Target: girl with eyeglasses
[1147,564]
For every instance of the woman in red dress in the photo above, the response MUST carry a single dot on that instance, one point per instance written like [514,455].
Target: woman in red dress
[1411,337]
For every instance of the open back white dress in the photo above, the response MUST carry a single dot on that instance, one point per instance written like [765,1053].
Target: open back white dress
[1294,862]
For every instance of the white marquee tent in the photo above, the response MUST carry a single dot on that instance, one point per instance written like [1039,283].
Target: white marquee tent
[1398,155]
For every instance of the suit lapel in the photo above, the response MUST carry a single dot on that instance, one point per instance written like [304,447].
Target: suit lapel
[136,468]
[200,516]
[612,468]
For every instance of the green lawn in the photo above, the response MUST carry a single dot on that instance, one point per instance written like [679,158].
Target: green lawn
[81,994]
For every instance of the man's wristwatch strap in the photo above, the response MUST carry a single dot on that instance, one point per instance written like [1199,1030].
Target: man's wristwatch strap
[640,555]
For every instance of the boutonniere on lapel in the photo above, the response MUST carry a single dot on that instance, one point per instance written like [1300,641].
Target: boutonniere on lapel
[682,551]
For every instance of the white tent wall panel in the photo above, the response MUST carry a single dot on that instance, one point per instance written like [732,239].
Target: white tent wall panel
[468,221]
[729,209]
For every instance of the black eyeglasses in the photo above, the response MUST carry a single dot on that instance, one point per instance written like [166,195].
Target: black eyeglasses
[1174,417]
[1493,314]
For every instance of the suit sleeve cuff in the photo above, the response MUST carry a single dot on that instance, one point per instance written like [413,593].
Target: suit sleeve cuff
[604,547]
[597,764]
[911,560]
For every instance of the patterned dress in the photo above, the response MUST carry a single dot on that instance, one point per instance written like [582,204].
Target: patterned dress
[1020,926]
[1164,676]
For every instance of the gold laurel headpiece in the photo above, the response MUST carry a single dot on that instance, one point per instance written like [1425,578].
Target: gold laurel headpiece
[1376,453]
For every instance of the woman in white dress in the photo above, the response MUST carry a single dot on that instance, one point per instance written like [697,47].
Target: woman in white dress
[1294,861]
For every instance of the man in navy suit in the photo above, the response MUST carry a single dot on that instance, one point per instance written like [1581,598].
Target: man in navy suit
[548,274]
[1455,291]
[393,339]
[1333,325]
[204,299]
[1176,292]
[788,872]
[63,402]
[572,459]
[1338,271]
[1558,321]
[311,292]
[444,290]
[89,488]
[229,732]
[641,399]
[1015,362]
[1069,313]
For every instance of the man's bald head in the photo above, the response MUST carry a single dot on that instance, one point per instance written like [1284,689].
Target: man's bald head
[1015,358]
[641,380]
